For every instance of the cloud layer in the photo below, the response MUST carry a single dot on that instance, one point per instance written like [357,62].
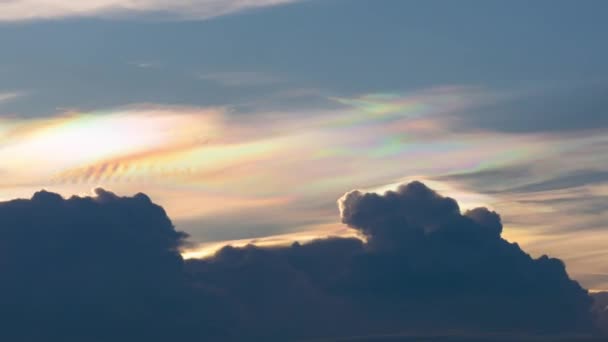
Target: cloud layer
[207,164]
[107,267]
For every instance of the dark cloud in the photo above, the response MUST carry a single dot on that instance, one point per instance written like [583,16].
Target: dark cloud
[424,250]
[601,300]
[88,269]
[282,293]
[600,306]
[108,268]
[424,267]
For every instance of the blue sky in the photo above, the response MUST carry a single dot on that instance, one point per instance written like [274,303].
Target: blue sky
[295,103]
[335,47]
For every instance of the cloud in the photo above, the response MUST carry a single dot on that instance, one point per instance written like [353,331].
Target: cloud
[596,281]
[526,179]
[572,180]
[188,9]
[213,168]
[423,248]
[230,155]
[240,78]
[77,265]
[107,268]
[549,108]
[146,64]
[5,97]
[601,307]
[556,204]
[585,204]
[487,180]
[305,235]
[424,265]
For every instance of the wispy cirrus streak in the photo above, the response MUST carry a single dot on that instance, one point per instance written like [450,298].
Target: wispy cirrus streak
[16,10]
[185,163]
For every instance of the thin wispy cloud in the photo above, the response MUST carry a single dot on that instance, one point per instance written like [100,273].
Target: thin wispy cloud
[240,78]
[5,97]
[145,64]
[185,9]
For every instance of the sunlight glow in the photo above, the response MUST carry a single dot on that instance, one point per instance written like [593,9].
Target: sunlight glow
[286,171]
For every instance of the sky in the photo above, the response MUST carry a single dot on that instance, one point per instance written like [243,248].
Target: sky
[247,120]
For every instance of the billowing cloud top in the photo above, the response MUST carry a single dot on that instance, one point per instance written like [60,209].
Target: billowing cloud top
[413,212]
[107,268]
[70,266]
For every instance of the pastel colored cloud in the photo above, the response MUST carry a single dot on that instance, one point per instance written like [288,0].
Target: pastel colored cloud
[273,177]
[269,155]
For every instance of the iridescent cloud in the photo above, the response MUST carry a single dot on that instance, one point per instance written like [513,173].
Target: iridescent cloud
[282,169]
[213,152]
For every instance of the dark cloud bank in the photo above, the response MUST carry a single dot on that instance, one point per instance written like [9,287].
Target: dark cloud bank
[107,268]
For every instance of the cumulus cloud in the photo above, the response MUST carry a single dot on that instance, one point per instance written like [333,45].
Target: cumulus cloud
[413,211]
[424,266]
[72,267]
[199,9]
[421,246]
[108,267]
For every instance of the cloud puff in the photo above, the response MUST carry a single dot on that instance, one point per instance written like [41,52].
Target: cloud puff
[425,267]
[395,218]
[108,268]
[74,269]
[421,246]
[413,211]
[200,9]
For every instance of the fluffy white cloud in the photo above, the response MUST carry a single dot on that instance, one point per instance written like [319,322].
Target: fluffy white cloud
[15,10]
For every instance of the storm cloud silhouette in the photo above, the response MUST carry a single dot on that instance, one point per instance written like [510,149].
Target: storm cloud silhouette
[108,268]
